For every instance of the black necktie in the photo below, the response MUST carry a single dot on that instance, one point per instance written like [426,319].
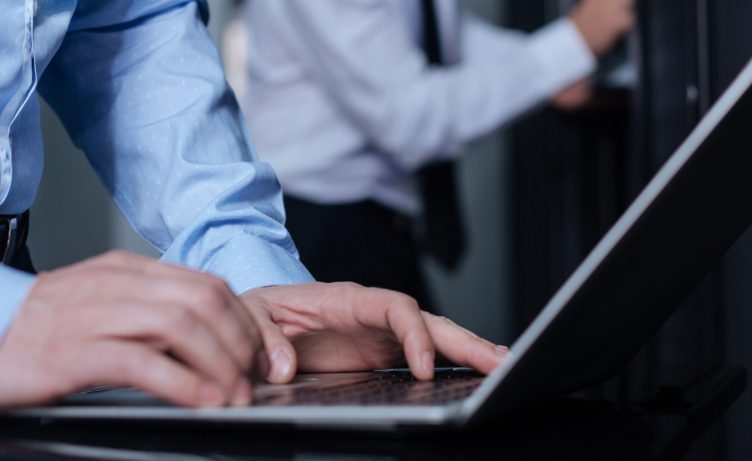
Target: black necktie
[443,233]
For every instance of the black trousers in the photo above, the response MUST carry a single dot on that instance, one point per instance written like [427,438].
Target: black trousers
[362,242]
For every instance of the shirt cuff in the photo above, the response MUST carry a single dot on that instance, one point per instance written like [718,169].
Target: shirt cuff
[14,285]
[562,54]
[247,261]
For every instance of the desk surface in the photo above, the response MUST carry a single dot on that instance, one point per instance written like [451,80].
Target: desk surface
[569,429]
[566,429]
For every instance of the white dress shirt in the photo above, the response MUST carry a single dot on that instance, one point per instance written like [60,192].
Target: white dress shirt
[341,100]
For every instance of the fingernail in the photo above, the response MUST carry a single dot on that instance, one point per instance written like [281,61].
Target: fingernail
[242,396]
[427,361]
[501,350]
[211,396]
[281,364]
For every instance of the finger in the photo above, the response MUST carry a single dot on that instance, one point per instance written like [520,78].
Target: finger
[221,310]
[280,353]
[399,313]
[463,347]
[214,301]
[157,269]
[206,297]
[128,363]
[182,333]
[140,265]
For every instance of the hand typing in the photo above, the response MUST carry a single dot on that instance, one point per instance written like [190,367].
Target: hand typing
[334,327]
[121,319]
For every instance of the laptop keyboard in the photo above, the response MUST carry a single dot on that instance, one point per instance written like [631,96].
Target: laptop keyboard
[385,388]
[388,387]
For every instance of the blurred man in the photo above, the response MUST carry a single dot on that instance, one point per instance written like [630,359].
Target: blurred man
[361,104]
[139,88]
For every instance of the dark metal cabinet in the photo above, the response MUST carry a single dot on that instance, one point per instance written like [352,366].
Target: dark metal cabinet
[574,173]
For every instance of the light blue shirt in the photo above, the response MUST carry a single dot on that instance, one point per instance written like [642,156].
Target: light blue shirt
[140,88]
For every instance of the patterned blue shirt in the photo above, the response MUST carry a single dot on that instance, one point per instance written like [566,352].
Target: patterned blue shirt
[139,86]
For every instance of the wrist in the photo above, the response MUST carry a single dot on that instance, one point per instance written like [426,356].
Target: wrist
[581,24]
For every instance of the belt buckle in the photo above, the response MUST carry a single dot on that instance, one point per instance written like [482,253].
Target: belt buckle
[8,239]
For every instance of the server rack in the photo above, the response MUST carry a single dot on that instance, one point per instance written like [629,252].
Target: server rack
[571,183]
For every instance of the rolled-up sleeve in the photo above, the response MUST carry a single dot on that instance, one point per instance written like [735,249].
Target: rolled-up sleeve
[140,88]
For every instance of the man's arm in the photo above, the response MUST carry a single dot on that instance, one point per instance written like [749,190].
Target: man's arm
[140,88]
[362,53]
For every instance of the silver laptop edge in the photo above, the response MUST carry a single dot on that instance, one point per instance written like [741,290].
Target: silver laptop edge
[320,417]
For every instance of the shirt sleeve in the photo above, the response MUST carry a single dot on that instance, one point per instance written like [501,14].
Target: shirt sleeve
[363,55]
[14,285]
[140,88]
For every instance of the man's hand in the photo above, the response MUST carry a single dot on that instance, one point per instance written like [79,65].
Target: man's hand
[603,22]
[120,319]
[347,327]
[574,96]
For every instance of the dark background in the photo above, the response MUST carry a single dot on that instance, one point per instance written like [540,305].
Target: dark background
[574,173]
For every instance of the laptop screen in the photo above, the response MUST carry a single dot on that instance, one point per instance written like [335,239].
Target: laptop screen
[679,227]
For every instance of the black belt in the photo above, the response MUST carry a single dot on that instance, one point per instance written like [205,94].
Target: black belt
[13,232]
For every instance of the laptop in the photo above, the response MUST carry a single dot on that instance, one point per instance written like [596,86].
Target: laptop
[677,229]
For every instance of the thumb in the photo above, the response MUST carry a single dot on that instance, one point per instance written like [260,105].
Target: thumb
[281,353]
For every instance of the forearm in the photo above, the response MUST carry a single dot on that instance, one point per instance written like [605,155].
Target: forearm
[416,113]
[164,132]
[504,77]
